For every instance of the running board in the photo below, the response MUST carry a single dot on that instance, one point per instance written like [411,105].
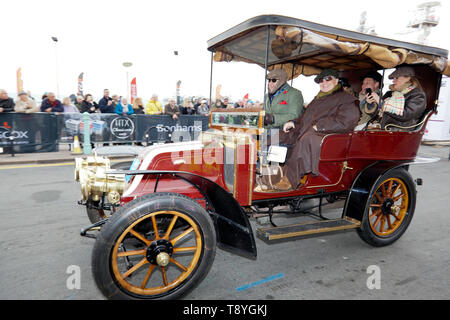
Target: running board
[307,229]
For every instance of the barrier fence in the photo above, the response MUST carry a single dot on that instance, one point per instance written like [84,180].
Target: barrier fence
[42,132]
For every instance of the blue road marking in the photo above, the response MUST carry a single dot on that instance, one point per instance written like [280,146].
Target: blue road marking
[256,283]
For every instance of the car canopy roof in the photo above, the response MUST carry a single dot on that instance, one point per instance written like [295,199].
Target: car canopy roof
[303,47]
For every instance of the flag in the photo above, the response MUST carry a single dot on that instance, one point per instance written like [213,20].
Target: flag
[19,80]
[218,88]
[133,90]
[80,84]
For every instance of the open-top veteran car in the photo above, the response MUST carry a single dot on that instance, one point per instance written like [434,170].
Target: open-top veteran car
[157,225]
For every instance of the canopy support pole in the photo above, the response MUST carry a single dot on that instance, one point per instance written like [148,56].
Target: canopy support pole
[210,79]
[263,142]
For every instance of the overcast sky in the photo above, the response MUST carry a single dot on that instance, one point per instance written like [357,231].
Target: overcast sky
[96,37]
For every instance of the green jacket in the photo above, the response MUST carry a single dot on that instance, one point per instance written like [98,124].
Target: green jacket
[287,104]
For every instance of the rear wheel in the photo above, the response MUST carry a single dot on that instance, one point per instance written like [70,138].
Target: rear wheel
[159,246]
[390,209]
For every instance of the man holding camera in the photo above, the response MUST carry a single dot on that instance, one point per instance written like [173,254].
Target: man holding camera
[369,97]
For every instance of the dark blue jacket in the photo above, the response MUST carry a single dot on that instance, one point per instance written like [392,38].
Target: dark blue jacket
[56,105]
[103,105]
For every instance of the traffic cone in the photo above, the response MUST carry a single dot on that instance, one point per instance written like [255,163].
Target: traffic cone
[76,146]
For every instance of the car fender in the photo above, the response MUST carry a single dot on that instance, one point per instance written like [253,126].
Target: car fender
[363,185]
[233,229]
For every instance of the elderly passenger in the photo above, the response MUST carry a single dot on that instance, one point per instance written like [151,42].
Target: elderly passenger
[283,102]
[406,101]
[332,111]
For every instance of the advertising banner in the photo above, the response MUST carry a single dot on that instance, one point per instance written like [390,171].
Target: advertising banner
[41,132]
[133,89]
[133,128]
[35,132]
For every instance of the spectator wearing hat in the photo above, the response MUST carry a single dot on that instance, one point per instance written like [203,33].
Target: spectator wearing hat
[203,108]
[51,104]
[24,104]
[226,102]
[405,103]
[283,102]
[6,103]
[333,110]
[369,97]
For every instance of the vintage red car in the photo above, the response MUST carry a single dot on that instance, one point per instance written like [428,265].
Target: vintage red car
[181,200]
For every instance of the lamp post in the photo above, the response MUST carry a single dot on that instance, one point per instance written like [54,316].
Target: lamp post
[127,65]
[55,40]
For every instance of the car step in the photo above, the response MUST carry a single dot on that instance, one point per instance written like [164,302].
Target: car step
[307,229]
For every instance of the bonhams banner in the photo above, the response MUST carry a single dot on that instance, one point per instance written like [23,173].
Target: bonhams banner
[134,128]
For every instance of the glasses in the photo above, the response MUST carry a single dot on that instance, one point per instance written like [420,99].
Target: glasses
[329,78]
[272,80]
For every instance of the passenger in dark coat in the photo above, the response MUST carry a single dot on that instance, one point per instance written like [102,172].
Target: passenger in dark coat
[332,111]
[405,103]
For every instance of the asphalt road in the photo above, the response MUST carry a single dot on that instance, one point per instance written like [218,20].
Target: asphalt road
[40,243]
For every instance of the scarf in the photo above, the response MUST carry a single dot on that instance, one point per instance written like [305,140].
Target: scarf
[322,94]
[395,104]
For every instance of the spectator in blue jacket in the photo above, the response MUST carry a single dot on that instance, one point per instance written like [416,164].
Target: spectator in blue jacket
[106,103]
[124,107]
[51,104]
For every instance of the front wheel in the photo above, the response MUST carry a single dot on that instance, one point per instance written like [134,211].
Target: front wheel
[159,246]
[390,209]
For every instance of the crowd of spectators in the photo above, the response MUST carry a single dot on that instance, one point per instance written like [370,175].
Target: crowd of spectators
[25,103]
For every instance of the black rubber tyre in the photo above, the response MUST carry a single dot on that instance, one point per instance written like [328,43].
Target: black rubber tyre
[138,220]
[390,209]
[95,215]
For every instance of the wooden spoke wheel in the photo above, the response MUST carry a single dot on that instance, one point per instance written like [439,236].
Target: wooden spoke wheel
[159,246]
[390,208]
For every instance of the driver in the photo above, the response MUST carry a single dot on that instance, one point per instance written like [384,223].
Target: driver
[283,102]
[333,110]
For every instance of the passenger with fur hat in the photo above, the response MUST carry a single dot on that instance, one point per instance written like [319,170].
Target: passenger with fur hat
[283,102]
